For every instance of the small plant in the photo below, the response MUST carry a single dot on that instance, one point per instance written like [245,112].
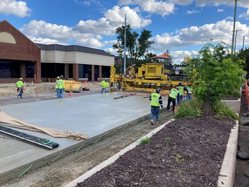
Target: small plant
[178,158]
[145,140]
[222,110]
[190,108]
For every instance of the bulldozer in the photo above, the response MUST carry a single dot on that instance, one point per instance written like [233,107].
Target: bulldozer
[146,78]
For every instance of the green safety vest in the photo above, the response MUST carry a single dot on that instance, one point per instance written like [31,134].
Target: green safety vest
[181,90]
[189,89]
[154,99]
[19,84]
[56,84]
[173,93]
[60,84]
[103,84]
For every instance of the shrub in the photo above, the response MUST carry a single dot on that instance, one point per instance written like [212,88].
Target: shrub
[222,110]
[189,108]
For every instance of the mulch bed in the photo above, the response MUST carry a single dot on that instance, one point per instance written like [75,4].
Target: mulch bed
[187,152]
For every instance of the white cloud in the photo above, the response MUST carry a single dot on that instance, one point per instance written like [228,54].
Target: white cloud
[178,56]
[240,3]
[193,11]
[112,19]
[153,6]
[220,31]
[245,15]
[41,31]
[14,7]
[220,10]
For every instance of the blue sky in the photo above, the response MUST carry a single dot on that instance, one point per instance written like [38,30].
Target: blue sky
[180,26]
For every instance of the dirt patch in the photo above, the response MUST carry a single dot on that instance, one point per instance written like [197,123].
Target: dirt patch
[187,152]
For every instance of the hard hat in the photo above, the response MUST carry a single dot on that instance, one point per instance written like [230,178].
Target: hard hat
[158,90]
[20,78]
[58,77]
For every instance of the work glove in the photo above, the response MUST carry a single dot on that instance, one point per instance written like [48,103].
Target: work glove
[161,106]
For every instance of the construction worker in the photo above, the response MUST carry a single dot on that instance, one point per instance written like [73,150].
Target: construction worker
[155,103]
[61,87]
[19,87]
[57,87]
[181,90]
[172,98]
[103,86]
[189,95]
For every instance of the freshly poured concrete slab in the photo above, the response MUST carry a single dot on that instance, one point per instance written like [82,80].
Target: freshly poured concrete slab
[91,114]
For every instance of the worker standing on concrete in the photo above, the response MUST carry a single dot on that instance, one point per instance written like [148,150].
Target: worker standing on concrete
[20,87]
[61,87]
[172,98]
[103,86]
[156,102]
[57,86]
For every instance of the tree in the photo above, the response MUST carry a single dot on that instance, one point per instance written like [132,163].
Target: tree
[214,74]
[136,45]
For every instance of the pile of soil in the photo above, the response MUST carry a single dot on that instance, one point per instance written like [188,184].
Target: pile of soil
[187,152]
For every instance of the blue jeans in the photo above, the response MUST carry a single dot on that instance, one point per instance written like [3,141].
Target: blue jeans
[20,92]
[61,93]
[155,113]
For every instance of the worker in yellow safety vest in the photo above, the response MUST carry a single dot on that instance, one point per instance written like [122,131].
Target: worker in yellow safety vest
[103,86]
[172,98]
[57,87]
[181,90]
[155,102]
[60,87]
[19,87]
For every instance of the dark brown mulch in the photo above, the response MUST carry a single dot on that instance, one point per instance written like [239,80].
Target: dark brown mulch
[187,152]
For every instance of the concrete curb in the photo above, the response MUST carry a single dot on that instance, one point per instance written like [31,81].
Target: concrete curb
[115,157]
[227,172]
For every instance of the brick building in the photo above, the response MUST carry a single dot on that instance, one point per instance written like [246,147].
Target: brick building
[20,57]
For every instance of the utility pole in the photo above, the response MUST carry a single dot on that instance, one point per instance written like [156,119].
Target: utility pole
[125,46]
[234,21]
[235,40]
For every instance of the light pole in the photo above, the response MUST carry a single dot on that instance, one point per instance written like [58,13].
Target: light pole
[234,21]
[235,40]
[125,46]
[243,43]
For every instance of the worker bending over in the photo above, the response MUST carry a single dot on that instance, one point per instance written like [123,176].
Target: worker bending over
[155,102]
[172,98]
[19,87]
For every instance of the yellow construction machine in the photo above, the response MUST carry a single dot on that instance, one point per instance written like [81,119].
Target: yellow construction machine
[72,86]
[146,78]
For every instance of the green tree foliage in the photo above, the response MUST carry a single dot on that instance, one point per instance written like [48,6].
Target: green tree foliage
[214,74]
[137,46]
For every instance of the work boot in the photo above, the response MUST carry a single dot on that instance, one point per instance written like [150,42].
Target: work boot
[152,122]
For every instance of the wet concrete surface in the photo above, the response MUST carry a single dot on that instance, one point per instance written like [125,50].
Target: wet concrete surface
[88,114]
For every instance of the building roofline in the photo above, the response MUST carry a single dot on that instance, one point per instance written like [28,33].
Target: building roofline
[76,48]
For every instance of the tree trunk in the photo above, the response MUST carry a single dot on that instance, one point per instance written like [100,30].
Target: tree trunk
[207,109]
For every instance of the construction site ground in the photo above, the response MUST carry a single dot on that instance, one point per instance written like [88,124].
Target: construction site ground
[60,170]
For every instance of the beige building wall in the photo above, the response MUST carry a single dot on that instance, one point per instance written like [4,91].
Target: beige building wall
[65,57]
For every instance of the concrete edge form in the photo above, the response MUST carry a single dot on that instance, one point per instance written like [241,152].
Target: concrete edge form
[115,157]
[227,172]
[21,170]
